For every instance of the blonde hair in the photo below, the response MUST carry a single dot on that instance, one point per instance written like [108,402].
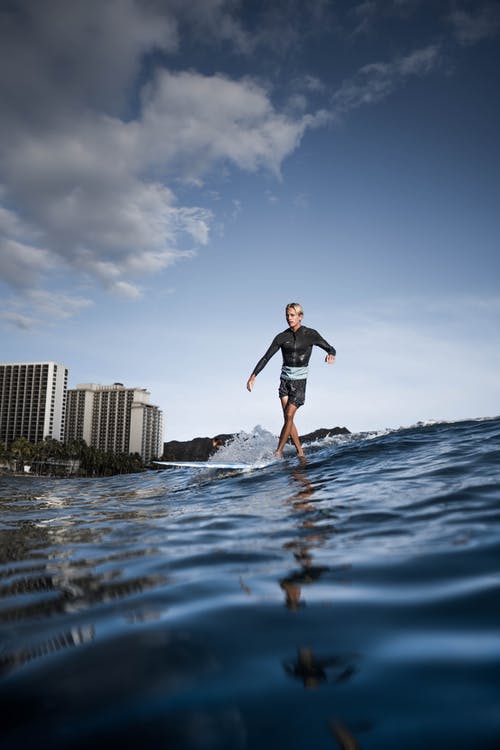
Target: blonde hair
[295,306]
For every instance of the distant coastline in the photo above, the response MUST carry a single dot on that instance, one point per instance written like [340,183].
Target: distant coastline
[93,463]
[202,448]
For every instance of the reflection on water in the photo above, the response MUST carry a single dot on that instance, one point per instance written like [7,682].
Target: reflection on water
[309,536]
[70,639]
[343,736]
[351,601]
[311,669]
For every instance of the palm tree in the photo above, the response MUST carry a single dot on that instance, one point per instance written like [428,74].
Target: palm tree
[22,450]
[4,454]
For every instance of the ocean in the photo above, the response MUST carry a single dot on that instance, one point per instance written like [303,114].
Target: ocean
[353,601]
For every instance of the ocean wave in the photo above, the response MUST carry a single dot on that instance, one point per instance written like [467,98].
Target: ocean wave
[358,590]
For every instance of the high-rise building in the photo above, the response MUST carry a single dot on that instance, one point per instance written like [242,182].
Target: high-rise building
[32,401]
[115,418]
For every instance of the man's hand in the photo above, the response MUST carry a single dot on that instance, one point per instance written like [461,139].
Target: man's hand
[330,359]
[251,381]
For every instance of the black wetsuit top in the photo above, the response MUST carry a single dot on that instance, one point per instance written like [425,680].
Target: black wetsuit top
[295,347]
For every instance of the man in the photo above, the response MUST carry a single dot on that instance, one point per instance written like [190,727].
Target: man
[296,344]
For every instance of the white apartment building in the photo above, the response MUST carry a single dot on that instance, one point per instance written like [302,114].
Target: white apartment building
[32,401]
[115,418]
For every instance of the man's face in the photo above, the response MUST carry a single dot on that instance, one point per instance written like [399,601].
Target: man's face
[293,318]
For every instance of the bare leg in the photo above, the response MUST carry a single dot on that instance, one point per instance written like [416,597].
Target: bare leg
[293,434]
[284,403]
[288,429]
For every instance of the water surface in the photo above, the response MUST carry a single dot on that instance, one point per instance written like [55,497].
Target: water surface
[354,599]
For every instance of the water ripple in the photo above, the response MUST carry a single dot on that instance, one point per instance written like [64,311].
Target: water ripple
[353,599]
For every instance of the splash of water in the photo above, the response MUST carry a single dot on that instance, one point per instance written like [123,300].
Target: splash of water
[248,447]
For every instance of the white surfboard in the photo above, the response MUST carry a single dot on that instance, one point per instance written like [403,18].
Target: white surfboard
[216,465]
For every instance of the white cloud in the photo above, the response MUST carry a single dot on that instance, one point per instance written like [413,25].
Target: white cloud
[472,27]
[126,289]
[55,305]
[89,185]
[9,222]
[18,321]
[369,14]
[297,103]
[313,84]
[271,197]
[75,193]
[23,265]
[237,209]
[40,307]
[57,56]
[93,188]
[365,14]
[418,63]
[193,121]
[376,81]
[276,27]
[301,200]
[81,192]
[215,19]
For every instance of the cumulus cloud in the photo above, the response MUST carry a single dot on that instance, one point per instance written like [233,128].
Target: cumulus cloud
[63,56]
[192,121]
[89,180]
[91,191]
[87,187]
[22,265]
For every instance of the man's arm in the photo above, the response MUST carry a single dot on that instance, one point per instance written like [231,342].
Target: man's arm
[328,348]
[263,361]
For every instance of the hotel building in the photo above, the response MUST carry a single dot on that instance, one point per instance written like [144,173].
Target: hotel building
[32,401]
[115,418]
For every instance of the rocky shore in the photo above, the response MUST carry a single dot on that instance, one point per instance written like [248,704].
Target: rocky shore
[201,448]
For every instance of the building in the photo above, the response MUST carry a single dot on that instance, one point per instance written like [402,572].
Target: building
[115,418]
[32,401]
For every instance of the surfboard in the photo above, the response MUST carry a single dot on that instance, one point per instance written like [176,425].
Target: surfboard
[216,465]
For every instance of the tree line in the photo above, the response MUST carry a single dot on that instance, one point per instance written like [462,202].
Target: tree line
[50,457]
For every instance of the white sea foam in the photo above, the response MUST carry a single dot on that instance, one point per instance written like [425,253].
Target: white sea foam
[259,445]
[254,447]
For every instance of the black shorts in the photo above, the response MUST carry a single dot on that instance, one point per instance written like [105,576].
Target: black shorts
[294,389]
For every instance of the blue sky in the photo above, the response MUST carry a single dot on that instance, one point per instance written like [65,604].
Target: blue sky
[173,173]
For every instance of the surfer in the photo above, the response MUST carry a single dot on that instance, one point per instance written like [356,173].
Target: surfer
[296,344]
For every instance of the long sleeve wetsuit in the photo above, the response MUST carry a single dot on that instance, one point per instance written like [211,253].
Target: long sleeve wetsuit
[296,348]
